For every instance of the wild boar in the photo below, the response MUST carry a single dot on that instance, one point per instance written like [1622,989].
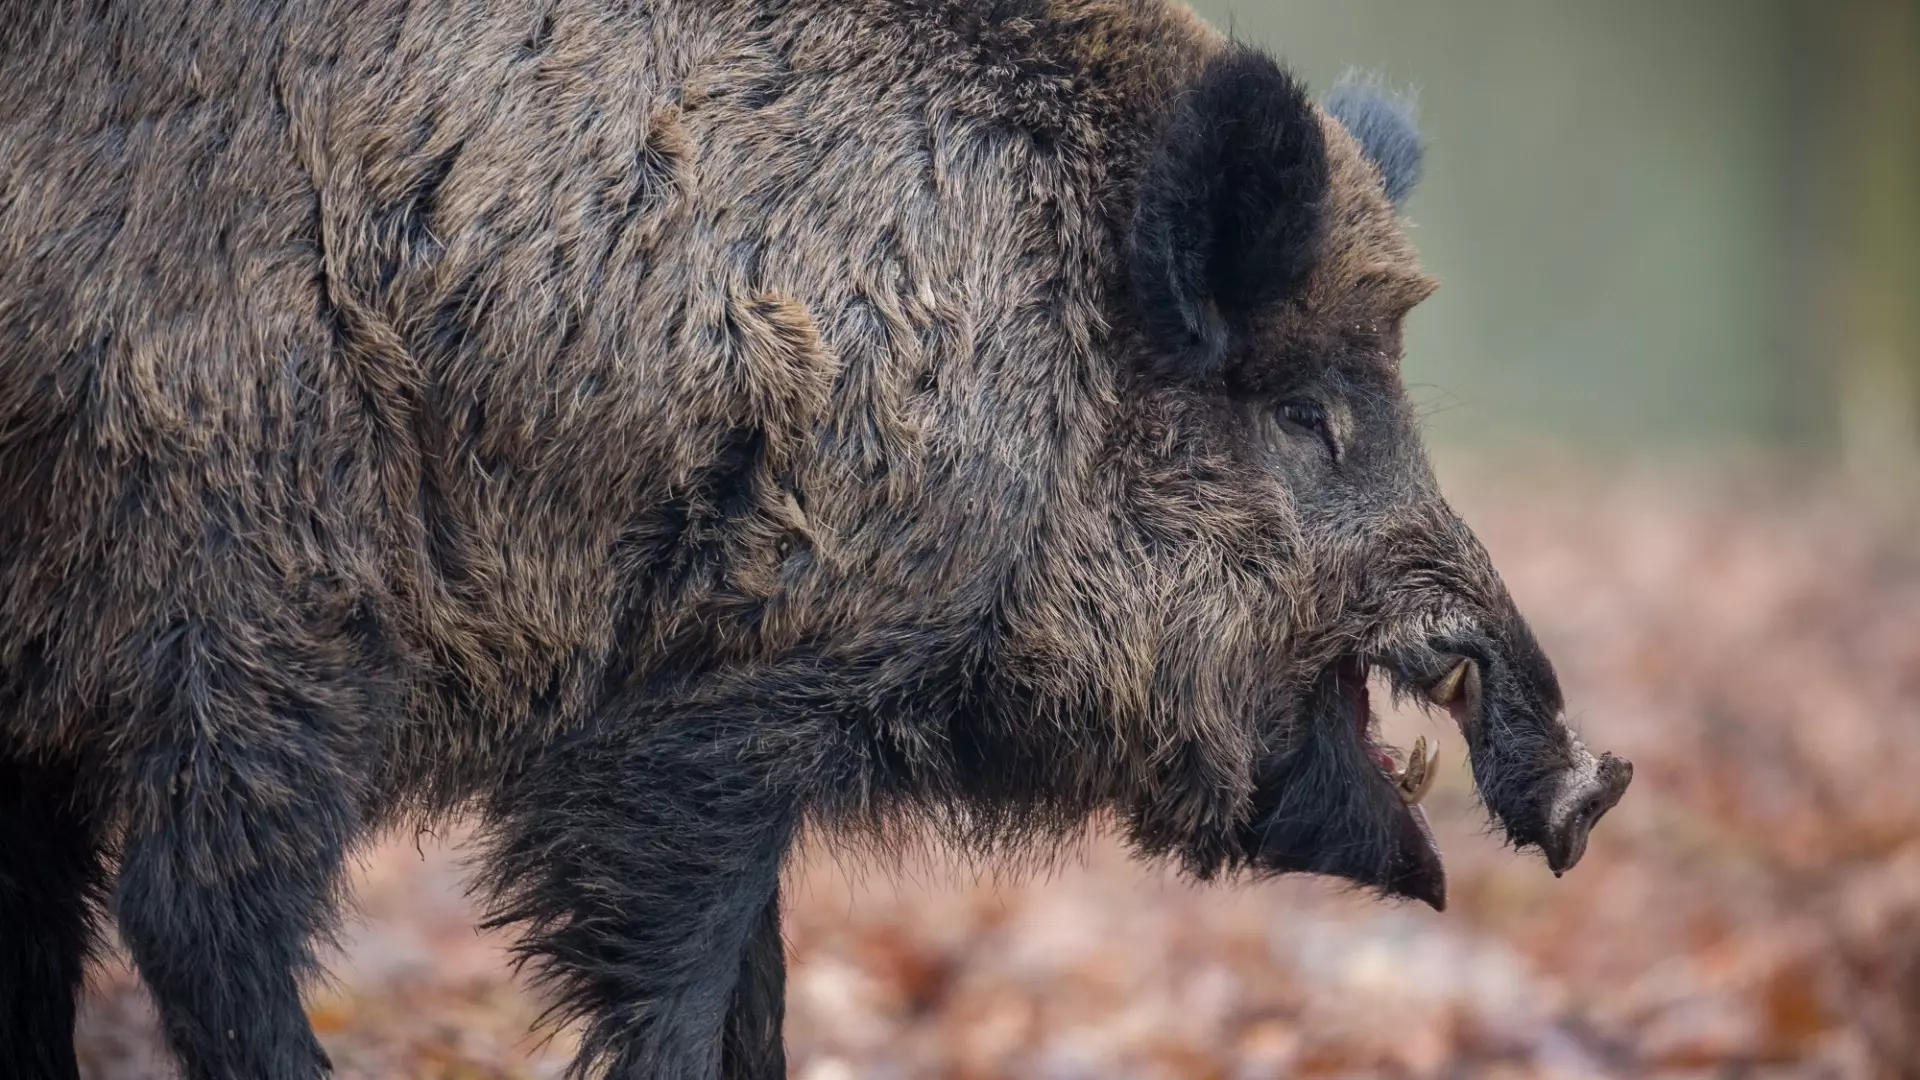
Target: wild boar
[653,427]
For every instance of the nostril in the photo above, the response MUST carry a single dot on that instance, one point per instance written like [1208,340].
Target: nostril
[1595,809]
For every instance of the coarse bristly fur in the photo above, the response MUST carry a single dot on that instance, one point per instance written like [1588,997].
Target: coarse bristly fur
[661,428]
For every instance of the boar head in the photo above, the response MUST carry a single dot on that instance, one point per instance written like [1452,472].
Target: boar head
[1279,490]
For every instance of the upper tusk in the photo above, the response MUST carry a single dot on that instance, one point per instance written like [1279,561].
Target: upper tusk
[1447,690]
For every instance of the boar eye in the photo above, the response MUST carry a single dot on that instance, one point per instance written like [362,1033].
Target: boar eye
[1310,417]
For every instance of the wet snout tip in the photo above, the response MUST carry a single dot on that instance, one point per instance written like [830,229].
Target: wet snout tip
[1587,792]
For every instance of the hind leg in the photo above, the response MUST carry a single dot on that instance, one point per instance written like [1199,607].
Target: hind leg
[50,877]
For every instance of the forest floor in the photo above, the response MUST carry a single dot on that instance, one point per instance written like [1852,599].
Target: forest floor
[1751,909]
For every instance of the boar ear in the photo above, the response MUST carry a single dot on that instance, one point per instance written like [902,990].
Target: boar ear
[1230,208]
[1387,127]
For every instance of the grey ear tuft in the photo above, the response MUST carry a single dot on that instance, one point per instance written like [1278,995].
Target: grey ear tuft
[1387,127]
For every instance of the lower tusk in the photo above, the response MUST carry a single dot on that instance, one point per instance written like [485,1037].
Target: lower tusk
[1422,768]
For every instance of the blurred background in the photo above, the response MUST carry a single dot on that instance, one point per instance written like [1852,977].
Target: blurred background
[1673,379]
[1659,226]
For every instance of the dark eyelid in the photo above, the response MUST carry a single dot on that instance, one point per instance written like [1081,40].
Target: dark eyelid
[1322,423]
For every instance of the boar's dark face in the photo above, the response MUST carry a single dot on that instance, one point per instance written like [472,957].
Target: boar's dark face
[1277,481]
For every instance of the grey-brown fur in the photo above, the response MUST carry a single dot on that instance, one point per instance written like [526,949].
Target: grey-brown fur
[658,425]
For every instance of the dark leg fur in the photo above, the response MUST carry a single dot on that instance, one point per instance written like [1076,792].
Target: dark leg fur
[241,815]
[641,856]
[222,940]
[643,863]
[50,876]
[755,1048]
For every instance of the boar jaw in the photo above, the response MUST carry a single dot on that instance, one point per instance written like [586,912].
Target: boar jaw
[1418,871]
[1336,802]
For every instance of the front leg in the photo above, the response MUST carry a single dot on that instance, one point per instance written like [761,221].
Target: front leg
[755,1048]
[643,868]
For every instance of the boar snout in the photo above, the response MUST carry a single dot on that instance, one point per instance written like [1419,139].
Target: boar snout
[1430,614]
[1533,772]
[1587,791]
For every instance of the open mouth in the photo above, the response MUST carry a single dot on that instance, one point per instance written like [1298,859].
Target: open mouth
[1343,802]
[1411,772]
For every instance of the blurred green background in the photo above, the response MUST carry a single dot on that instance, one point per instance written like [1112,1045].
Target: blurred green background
[1657,225]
